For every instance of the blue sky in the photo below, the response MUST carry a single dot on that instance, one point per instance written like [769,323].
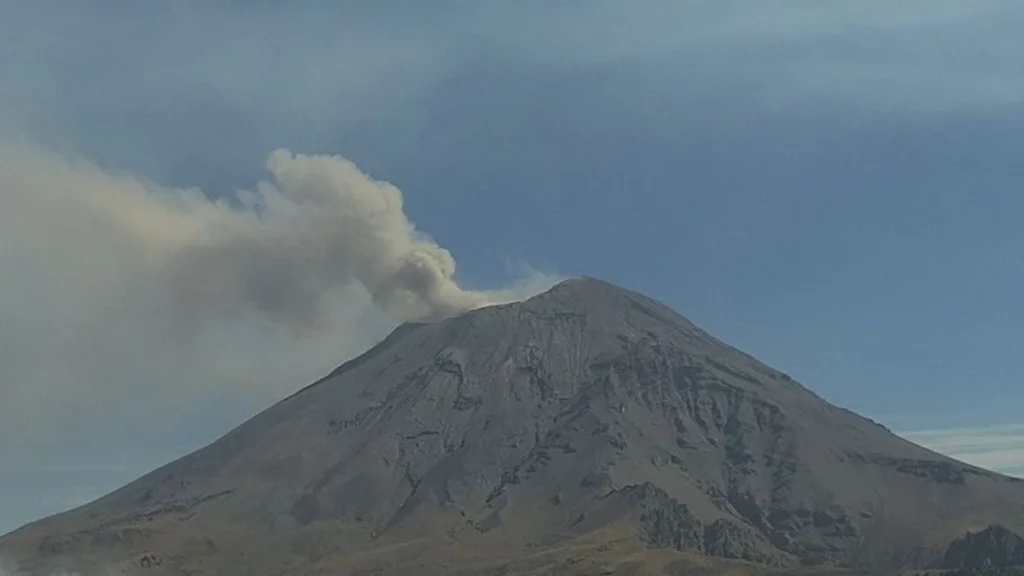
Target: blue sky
[832,187]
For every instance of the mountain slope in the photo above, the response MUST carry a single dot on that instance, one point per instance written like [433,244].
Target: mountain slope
[587,421]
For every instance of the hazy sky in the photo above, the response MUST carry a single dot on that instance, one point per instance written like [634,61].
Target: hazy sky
[831,186]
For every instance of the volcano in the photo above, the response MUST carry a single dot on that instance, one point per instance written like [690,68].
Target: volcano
[587,430]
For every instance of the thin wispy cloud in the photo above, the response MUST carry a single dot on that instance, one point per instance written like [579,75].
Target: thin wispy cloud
[999,448]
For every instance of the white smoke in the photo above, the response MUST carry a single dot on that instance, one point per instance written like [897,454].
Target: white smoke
[125,305]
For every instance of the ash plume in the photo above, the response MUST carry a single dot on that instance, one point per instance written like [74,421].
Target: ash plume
[127,305]
[319,225]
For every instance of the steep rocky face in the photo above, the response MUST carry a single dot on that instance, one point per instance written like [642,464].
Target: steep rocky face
[587,416]
[994,546]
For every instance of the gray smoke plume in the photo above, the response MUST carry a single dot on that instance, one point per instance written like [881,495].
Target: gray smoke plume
[320,225]
[126,305]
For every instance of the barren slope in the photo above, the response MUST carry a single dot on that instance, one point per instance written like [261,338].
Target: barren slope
[588,421]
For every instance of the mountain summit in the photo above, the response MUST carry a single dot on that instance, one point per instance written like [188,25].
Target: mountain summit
[586,430]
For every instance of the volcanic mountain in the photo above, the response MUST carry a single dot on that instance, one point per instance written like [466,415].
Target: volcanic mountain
[588,430]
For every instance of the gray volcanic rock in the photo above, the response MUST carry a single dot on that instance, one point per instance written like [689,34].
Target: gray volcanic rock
[584,425]
[993,546]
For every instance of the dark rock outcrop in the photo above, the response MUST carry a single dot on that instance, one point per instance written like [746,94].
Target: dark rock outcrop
[993,547]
